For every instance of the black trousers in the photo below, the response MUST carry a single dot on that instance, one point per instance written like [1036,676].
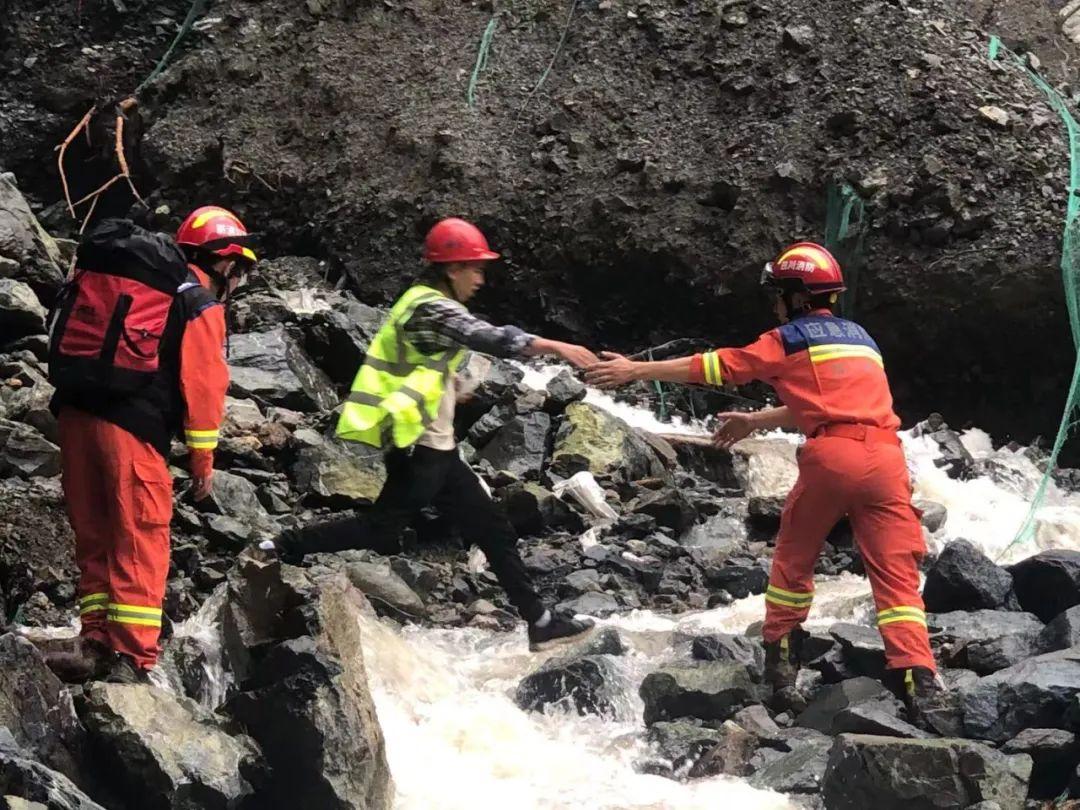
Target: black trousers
[422,477]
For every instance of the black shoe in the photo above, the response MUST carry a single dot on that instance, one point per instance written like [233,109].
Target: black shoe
[782,660]
[919,688]
[559,630]
[287,548]
[125,670]
[89,661]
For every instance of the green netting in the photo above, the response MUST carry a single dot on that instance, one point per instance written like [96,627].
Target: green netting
[1070,274]
[196,10]
[844,233]
[481,58]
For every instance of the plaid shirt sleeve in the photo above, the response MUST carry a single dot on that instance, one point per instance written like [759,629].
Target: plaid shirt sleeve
[443,324]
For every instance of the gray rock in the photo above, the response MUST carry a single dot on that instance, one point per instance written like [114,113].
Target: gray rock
[821,714]
[338,474]
[1054,754]
[766,470]
[273,369]
[1033,694]
[167,752]
[25,248]
[587,580]
[757,721]
[802,770]
[26,779]
[669,507]
[1062,632]
[36,708]
[861,647]
[707,691]
[564,388]
[877,717]
[519,446]
[963,578]
[305,697]
[1048,583]
[594,440]
[234,496]
[25,452]
[727,647]
[591,604]
[585,684]
[21,313]
[934,515]
[799,38]
[984,640]
[380,584]
[892,774]
[337,339]
[533,509]
[683,742]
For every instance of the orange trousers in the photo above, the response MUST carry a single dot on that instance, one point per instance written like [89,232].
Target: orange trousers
[119,500]
[867,480]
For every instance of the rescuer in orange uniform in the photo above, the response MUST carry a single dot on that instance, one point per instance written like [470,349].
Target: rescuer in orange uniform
[829,375]
[114,450]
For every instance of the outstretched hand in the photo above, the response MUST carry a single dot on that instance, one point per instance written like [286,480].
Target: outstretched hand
[577,356]
[735,427]
[613,371]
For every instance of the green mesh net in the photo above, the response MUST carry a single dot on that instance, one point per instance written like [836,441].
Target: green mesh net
[845,229]
[1070,274]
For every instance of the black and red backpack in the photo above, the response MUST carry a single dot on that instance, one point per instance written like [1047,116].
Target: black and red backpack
[111,323]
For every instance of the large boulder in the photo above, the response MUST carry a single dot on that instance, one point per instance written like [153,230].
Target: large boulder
[23,778]
[273,369]
[36,708]
[1035,693]
[821,714]
[164,752]
[338,338]
[563,389]
[800,770]
[586,684]
[670,507]
[338,474]
[729,647]
[532,509]
[519,446]
[1048,583]
[862,648]
[707,691]
[887,773]
[592,439]
[379,583]
[985,640]
[1061,633]
[1055,754]
[694,750]
[27,252]
[766,470]
[293,643]
[25,452]
[963,578]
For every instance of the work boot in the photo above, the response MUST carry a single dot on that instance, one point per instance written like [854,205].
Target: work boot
[90,661]
[782,659]
[919,688]
[125,670]
[560,629]
[286,548]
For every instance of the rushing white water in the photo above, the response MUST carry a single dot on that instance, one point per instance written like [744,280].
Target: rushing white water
[456,739]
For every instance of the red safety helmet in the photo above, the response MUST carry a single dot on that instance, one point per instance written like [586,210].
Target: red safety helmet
[218,231]
[804,267]
[455,240]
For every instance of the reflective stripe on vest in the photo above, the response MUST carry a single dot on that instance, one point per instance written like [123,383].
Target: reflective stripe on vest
[397,390]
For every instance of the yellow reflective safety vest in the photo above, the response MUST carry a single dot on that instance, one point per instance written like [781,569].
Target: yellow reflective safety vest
[396,393]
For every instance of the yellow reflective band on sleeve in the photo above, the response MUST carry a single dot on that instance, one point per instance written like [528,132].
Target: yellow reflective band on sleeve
[134,614]
[778,596]
[902,613]
[842,351]
[201,439]
[93,602]
[713,368]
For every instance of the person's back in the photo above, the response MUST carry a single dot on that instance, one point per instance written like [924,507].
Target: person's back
[828,370]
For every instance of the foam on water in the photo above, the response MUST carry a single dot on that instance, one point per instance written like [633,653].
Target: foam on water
[455,738]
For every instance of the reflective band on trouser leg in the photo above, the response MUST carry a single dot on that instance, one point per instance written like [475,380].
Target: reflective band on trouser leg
[135,614]
[93,602]
[901,613]
[799,601]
